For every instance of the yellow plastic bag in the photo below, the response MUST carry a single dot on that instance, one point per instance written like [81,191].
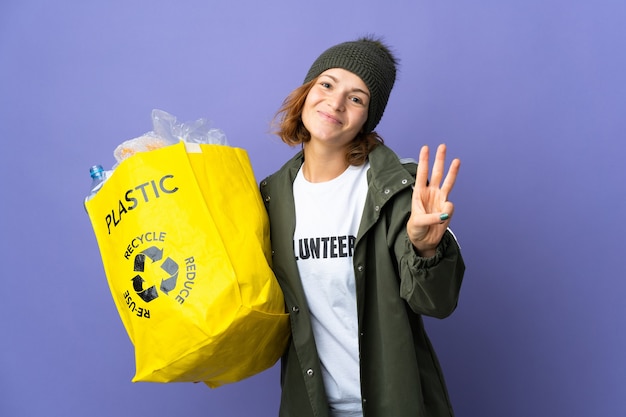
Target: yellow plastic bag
[184,240]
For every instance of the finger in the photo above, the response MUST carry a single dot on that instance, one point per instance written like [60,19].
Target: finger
[433,219]
[447,212]
[430,219]
[450,180]
[421,176]
[447,209]
[438,166]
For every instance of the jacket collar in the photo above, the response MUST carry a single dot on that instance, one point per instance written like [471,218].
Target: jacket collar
[388,175]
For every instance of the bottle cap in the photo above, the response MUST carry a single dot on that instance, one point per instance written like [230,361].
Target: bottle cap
[96,171]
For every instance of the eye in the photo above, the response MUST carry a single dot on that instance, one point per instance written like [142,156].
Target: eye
[325,84]
[357,100]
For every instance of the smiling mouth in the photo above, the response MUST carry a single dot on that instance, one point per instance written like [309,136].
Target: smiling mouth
[329,117]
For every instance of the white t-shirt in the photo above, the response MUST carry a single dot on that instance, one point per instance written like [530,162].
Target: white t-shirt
[328,215]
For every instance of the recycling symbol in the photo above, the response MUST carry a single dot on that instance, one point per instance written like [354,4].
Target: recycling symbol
[168,283]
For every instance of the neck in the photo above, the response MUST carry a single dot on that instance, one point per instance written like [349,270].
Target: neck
[322,166]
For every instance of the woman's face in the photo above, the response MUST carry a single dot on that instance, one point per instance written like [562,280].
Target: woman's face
[335,109]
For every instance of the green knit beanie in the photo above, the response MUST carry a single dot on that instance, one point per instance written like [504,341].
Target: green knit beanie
[372,61]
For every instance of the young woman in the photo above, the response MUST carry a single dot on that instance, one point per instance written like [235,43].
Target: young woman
[361,248]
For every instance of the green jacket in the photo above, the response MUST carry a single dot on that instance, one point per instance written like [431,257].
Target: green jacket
[400,374]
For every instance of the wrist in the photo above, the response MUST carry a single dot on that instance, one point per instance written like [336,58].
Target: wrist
[425,253]
[422,249]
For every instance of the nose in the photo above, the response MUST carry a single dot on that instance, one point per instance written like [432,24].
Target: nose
[336,102]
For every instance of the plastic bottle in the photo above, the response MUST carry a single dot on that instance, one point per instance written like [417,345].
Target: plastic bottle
[98,176]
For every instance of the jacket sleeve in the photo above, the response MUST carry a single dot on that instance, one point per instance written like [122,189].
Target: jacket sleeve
[431,286]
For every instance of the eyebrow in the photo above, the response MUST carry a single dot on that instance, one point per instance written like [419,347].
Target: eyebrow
[358,90]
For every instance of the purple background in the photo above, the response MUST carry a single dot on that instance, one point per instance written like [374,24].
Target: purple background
[531,95]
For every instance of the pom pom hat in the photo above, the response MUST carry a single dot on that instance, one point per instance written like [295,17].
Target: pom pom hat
[372,61]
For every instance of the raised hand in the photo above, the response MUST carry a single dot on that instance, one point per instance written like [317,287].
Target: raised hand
[431,211]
